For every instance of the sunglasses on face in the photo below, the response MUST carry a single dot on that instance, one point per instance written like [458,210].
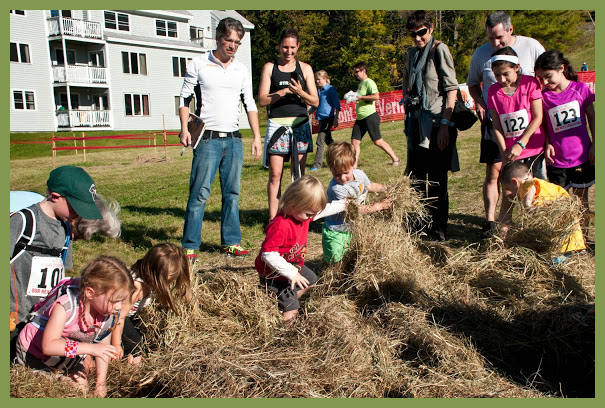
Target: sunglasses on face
[356,71]
[419,33]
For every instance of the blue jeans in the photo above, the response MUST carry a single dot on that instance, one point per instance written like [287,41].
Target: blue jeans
[225,155]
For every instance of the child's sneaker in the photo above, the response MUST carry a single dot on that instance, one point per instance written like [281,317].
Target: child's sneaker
[235,250]
[191,255]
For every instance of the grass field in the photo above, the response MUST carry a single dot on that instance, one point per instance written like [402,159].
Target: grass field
[466,349]
[152,190]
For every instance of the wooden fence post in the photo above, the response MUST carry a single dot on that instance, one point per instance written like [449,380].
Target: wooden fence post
[75,142]
[53,150]
[164,134]
[84,145]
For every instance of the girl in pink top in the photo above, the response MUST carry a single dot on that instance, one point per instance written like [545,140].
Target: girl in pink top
[515,105]
[74,320]
[569,113]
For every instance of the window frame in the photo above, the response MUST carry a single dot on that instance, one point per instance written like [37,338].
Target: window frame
[14,12]
[166,29]
[18,50]
[140,60]
[143,104]
[182,69]
[24,93]
[116,21]
[197,29]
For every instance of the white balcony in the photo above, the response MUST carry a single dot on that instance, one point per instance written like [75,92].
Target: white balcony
[82,74]
[83,118]
[208,43]
[74,27]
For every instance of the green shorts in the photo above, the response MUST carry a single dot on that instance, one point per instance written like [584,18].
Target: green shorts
[335,244]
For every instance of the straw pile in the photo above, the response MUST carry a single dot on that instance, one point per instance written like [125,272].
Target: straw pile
[544,228]
[400,318]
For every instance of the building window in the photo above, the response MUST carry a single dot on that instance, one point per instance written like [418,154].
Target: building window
[117,21]
[71,57]
[165,28]
[196,33]
[74,98]
[60,13]
[179,66]
[136,105]
[18,12]
[20,53]
[177,103]
[134,63]
[96,59]
[24,100]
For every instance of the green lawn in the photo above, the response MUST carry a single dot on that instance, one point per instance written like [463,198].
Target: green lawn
[152,191]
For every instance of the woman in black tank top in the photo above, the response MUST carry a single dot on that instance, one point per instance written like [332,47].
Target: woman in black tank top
[287,88]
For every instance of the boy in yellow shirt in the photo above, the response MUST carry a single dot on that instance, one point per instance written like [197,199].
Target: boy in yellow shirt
[517,181]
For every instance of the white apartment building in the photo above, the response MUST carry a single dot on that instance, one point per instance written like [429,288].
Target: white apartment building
[75,70]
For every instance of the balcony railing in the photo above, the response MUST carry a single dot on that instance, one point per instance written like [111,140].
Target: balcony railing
[83,118]
[80,74]
[73,27]
[208,43]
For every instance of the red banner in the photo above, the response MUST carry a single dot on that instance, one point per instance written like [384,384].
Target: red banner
[387,106]
[588,77]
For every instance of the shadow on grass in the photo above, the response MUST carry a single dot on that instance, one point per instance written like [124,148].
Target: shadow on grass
[463,229]
[142,236]
[552,349]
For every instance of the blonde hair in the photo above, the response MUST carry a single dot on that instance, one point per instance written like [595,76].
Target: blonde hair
[340,156]
[105,274]
[323,74]
[305,193]
[165,269]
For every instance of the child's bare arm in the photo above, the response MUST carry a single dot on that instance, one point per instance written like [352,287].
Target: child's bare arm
[377,206]
[101,368]
[534,124]
[590,116]
[506,213]
[497,128]
[376,188]
[529,197]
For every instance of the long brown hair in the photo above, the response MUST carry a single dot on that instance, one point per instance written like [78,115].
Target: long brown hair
[165,270]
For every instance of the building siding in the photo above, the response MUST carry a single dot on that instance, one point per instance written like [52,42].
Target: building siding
[159,84]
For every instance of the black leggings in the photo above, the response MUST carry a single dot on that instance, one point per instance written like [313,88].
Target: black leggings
[133,336]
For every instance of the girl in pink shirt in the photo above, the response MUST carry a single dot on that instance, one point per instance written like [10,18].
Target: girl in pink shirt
[75,320]
[568,113]
[515,105]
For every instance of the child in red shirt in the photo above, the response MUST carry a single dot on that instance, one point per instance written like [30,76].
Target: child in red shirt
[280,263]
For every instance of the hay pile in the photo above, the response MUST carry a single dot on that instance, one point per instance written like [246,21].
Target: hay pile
[400,318]
[544,228]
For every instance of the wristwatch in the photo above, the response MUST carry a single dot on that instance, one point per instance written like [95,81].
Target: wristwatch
[446,122]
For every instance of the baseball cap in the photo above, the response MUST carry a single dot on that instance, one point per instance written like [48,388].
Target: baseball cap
[78,187]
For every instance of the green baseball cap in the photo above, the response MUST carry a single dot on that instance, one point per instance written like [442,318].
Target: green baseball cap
[78,187]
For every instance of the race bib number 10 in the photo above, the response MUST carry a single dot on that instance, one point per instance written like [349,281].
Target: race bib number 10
[565,116]
[46,272]
[515,123]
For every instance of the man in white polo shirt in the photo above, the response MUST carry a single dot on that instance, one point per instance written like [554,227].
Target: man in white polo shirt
[499,30]
[221,80]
